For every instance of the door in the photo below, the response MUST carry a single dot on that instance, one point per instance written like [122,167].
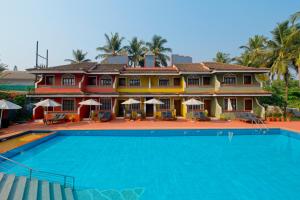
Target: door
[177,106]
[248,105]
[121,108]
[207,106]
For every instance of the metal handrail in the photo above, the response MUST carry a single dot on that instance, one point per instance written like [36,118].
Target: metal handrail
[31,170]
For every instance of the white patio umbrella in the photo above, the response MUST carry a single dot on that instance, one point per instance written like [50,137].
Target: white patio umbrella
[7,105]
[229,105]
[131,101]
[47,103]
[90,102]
[154,102]
[193,102]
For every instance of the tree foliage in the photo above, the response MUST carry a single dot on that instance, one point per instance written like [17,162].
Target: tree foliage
[78,57]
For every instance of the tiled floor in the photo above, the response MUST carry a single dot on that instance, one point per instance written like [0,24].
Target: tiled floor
[147,124]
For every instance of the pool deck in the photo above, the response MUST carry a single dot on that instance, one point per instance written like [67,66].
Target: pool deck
[146,124]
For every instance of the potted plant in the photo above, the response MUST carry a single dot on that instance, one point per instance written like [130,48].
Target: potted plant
[72,118]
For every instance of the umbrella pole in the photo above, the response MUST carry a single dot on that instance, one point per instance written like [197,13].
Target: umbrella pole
[1,117]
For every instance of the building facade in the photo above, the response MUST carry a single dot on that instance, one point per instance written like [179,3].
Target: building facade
[111,84]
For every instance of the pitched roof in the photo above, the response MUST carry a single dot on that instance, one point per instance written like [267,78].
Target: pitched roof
[233,67]
[150,70]
[17,75]
[69,67]
[192,67]
[107,68]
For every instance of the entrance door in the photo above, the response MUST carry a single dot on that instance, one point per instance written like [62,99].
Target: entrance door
[121,108]
[248,105]
[207,106]
[177,106]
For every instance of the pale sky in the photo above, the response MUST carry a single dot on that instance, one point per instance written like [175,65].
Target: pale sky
[192,27]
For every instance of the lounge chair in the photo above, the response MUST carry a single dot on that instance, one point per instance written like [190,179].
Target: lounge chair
[200,116]
[55,119]
[249,117]
[104,116]
[167,115]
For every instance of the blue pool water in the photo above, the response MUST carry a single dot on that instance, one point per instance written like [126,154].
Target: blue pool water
[176,164]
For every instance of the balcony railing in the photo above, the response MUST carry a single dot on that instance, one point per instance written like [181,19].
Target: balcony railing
[240,85]
[58,86]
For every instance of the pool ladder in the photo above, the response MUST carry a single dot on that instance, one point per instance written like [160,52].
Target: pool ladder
[261,124]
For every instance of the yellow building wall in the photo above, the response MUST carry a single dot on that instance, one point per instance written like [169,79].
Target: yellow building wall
[144,87]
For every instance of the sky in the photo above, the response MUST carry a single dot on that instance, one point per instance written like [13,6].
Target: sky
[198,28]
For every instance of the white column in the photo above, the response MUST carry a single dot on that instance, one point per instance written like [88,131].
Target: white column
[149,82]
[115,82]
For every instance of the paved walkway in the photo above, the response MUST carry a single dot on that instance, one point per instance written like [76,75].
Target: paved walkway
[147,124]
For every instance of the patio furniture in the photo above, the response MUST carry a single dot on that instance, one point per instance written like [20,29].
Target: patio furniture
[167,115]
[249,117]
[60,117]
[200,116]
[104,116]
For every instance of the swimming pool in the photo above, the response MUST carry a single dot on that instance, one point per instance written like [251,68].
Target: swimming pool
[174,164]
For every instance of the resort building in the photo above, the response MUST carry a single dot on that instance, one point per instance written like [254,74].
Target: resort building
[111,84]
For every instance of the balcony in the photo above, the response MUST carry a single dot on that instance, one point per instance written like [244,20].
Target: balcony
[152,89]
[240,87]
[57,89]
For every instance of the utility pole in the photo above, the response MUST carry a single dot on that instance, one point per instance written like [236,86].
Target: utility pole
[37,56]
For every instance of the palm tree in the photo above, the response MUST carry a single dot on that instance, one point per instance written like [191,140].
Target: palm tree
[136,50]
[281,48]
[2,66]
[295,17]
[254,52]
[156,46]
[222,57]
[113,46]
[78,57]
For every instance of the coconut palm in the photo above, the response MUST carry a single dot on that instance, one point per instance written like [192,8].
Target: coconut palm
[282,50]
[78,57]
[113,46]
[222,57]
[136,50]
[156,46]
[295,17]
[2,66]
[254,52]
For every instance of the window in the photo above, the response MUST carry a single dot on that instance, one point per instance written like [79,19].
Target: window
[247,79]
[248,104]
[163,82]
[68,79]
[68,105]
[49,80]
[92,80]
[135,106]
[233,104]
[122,82]
[166,105]
[134,82]
[193,82]
[105,82]
[206,80]
[176,81]
[106,104]
[230,80]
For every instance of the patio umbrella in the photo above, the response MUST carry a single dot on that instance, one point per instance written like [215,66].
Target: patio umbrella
[6,105]
[90,102]
[131,101]
[193,102]
[47,103]
[154,102]
[229,105]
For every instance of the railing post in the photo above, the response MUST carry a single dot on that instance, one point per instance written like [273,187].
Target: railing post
[30,174]
[65,181]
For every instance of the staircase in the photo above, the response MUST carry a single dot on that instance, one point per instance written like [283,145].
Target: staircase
[22,188]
